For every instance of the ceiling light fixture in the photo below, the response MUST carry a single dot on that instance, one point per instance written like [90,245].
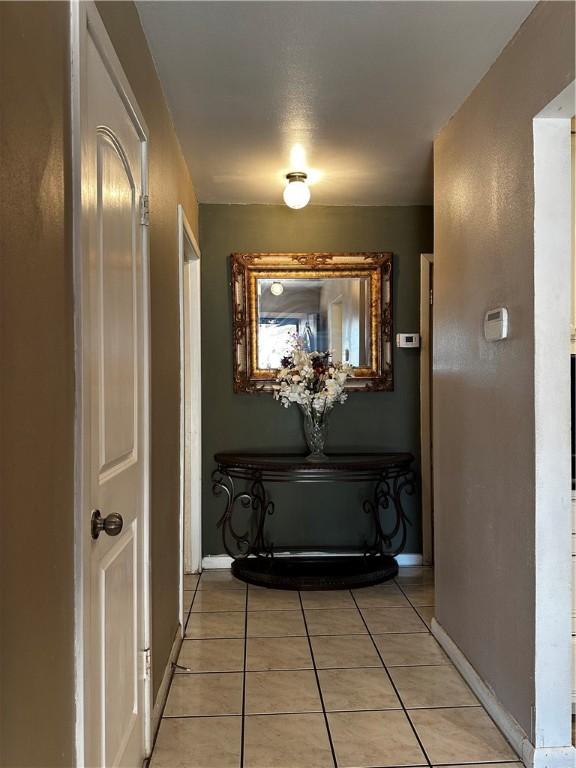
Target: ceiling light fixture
[296,192]
[277,288]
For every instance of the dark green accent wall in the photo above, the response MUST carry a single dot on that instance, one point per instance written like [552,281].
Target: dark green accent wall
[321,514]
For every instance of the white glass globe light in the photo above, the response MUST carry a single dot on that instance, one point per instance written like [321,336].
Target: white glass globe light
[277,288]
[296,193]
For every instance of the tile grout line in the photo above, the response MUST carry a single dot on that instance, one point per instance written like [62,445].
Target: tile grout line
[185,619]
[292,610]
[396,691]
[401,706]
[196,589]
[172,671]
[430,665]
[332,711]
[486,763]
[412,605]
[324,634]
[304,669]
[243,714]
[326,723]
[457,670]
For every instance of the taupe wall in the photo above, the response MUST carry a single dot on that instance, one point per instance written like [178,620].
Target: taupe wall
[37,363]
[484,393]
[37,392]
[370,421]
[170,184]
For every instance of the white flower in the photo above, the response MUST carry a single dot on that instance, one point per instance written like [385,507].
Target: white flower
[299,383]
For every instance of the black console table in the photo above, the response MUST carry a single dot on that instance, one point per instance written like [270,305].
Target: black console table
[242,478]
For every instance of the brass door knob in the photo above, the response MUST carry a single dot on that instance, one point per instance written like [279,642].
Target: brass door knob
[111,524]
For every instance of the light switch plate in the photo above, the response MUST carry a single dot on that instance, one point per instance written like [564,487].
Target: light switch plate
[496,324]
[408,340]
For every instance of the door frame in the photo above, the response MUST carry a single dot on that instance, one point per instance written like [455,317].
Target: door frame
[85,20]
[337,301]
[191,550]
[552,417]
[426,301]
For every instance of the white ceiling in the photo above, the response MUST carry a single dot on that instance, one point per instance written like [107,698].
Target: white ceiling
[362,87]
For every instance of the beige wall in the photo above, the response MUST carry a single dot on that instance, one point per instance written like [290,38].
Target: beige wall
[37,392]
[484,393]
[170,184]
[37,382]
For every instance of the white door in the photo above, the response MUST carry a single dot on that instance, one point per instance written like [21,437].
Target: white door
[114,396]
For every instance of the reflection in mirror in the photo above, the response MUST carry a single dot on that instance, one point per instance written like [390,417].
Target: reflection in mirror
[328,313]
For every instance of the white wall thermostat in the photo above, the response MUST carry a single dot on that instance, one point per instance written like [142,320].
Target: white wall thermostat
[496,324]
[409,340]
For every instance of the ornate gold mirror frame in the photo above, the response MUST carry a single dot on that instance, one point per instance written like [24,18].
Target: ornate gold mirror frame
[248,268]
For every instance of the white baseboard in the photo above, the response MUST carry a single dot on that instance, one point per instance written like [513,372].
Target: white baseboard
[224,561]
[557,757]
[554,757]
[164,689]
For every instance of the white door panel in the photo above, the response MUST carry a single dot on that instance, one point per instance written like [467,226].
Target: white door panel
[114,406]
[117,306]
[118,607]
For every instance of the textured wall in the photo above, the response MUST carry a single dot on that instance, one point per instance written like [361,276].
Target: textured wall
[372,421]
[484,393]
[170,184]
[37,360]
[37,392]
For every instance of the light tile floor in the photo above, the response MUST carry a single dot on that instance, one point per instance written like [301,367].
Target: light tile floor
[272,679]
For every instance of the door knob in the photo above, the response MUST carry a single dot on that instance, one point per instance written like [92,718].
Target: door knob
[111,524]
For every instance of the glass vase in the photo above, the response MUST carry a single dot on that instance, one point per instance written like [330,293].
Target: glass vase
[315,431]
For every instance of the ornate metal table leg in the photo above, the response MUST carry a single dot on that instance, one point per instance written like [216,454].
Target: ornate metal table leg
[401,483]
[380,500]
[240,545]
[222,483]
[263,506]
[388,495]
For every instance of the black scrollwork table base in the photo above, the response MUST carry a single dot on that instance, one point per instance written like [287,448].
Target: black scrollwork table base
[243,478]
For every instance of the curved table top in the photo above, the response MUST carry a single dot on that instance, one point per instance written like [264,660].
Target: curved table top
[292,466]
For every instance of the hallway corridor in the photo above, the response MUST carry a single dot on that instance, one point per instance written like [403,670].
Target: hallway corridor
[273,679]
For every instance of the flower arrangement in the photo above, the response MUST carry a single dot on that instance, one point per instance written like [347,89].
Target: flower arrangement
[314,382]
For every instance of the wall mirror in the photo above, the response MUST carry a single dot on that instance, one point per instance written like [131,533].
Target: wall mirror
[336,301]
